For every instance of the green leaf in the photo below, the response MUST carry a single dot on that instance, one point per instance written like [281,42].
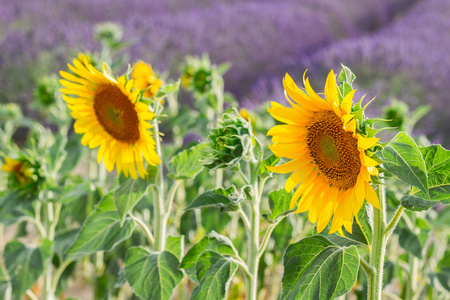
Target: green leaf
[360,236]
[411,242]
[25,264]
[5,285]
[315,268]
[414,203]
[128,194]
[74,193]
[101,231]
[215,242]
[224,199]
[270,161]
[215,272]
[437,161]
[63,241]
[403,159]
[75,152]
[152,275]
[175,245]
[14,206]
[168,89]
[442,274]
[346,78]
[188,163]
[279,202]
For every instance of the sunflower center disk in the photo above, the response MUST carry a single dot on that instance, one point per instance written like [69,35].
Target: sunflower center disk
[116,114]
[334,151]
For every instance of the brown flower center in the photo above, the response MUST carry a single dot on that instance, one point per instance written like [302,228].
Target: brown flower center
[116,113]
[333,150]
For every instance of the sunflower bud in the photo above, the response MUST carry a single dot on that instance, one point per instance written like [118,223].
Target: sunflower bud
[46,91]
[229,143]
[108,32]
[22,172]
[197,74]
[397,113]
[10,112]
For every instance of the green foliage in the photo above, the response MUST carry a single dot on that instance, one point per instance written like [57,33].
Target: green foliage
[168,89]
[175,245]
[346,78]
[224,199]
[315,268]
[214,272]
[152,275]
[279,202]
[214,242]
[128,194]
[102,230]
[442,274]
[25,264]
[403,159]
[187,164]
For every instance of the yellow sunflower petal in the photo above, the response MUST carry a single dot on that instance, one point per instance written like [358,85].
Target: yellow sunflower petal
[366,143]
[290,166]
[371,196]
[367,161]
[297,177]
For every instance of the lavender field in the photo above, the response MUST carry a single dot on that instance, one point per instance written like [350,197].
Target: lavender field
[388,40]
[224,149]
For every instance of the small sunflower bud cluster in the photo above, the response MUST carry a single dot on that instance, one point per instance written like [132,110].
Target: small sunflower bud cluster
[229,143]
[24,172]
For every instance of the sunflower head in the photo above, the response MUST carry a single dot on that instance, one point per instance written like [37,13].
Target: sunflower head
[109,114]
[145,79]
[197,75]
[229,143]
[22,172]
[326,151]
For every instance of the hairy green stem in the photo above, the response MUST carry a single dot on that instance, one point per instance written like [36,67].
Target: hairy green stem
[266,239]
[58,274]
[378,247]
[144,227]
[158,199]
[394,221]
[253,246]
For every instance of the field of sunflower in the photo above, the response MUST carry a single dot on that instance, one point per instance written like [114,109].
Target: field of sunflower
[224,149]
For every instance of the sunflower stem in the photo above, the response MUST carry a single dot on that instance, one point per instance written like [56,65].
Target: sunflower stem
[253,234]
[378,247]
[160,224]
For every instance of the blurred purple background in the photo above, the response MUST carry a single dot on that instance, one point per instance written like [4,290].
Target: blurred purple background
[397,48]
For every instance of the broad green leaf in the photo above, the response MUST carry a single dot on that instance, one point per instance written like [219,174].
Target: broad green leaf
[224,199]
[411,242]
[75,152]
[75,192]
[175,245]
[168,89]
[25,264]
[315,268]
[437,161]
[14,206]
[63,241]
[5,285]
[270,161]
[360,236]
[101,231]
[403,159]
[215,242]
[205,261]
[216,273]
[128,194]
[152,275]
[187,164]
[279,202]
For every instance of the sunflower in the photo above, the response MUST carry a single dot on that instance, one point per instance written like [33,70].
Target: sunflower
[326,152]
[145,79]
[108,114]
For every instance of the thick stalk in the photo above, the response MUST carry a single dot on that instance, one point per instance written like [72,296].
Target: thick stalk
[253,248]
[253,234]
[160,224]
[378,247]
[49,220]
